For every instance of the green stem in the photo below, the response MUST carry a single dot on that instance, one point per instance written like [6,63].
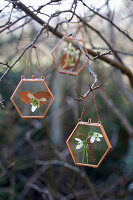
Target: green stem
[83,155]
[86,153]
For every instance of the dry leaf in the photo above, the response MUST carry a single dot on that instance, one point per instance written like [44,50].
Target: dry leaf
[66,67]
[42,96]
[62,61]
[24,96]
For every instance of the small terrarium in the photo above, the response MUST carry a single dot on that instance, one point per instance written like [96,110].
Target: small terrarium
[69,55]
[32,98]
[88,144]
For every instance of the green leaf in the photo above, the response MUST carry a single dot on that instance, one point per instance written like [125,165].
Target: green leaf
[91,133]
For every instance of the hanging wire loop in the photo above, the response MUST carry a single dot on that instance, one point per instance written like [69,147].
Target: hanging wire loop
[29,58]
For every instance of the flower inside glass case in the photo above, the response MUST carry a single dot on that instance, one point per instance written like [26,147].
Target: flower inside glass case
[88,144]
[32,98]
[67,57]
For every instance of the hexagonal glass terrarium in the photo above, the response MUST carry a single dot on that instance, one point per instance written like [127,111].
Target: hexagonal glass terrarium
[67,57]
[32,98]
[88,144]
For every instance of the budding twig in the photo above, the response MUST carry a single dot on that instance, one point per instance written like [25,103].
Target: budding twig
[94,75]
[82,97]
[99,55]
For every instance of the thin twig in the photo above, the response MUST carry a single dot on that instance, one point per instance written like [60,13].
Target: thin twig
[6,64]
[8,21]
[82,97]
[74,169]
[7,27]
[117,112]
[84,54]
[116,50]
[118,65]
[24,50]
[107,19]
[99,55]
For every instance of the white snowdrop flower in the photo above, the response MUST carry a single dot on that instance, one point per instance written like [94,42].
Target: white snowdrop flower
[33,108]
[96,136]
[71,50]
[80,143]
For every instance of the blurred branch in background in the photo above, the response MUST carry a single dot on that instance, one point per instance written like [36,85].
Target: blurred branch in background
[2,103]
[8,21]
[22,53]
[118,65]
[117,112]
[34,160]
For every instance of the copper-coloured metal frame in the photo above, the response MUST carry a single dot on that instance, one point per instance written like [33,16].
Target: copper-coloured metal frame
[32,80]
[105,137]
[65,71]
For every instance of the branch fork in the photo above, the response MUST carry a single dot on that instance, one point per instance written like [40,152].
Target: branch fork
[82,97]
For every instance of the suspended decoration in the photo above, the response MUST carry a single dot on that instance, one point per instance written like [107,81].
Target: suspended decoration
[88,143]
[32,97]
[70,57]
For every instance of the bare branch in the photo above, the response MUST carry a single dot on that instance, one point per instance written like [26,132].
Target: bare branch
[128,95]
[118,65]
[8,21]
[99,55]
[36,18]
[21,26]
[107,19]
[7,27]
[125,70]
[6,64]
[74,169]
[117,112]
[4,7]
[101,36]
[22,53]
[116,50]
[32,179]
[84,54]
[82,97]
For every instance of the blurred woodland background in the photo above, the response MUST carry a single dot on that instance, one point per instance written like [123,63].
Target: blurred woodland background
[105,26]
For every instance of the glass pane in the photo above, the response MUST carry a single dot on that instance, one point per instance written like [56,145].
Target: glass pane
[33,107]
[70,58]
[88,144]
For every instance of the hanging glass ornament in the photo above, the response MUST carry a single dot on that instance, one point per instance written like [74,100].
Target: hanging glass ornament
[32,98]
